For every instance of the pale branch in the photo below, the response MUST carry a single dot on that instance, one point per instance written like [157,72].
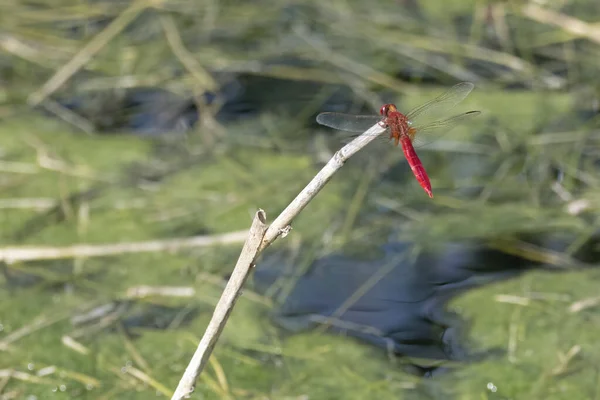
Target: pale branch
[260,237]
[281,223]
[242,269]
[30,253]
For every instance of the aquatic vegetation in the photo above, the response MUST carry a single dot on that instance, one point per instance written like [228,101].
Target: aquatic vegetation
[157,122]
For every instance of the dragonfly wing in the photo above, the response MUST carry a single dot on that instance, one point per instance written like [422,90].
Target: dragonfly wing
[348,122]
[426,134]
[434,109]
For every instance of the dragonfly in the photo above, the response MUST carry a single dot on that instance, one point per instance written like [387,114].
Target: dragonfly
[417,128]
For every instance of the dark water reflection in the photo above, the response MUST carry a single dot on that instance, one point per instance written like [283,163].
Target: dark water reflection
[395,302]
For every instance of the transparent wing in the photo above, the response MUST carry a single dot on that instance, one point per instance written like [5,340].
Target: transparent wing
[348,122]
[434,109]
[425,134]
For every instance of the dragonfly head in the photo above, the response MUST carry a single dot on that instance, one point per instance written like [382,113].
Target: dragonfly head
[386,109]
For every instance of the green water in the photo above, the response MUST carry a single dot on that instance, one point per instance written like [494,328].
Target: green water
[495,180]
[217,192]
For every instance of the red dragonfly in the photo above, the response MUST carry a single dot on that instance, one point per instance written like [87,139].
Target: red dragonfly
[419,127]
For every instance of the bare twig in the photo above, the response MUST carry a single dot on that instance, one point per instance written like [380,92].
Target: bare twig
[69,116]
[584,304]
[25,253]
[224,306]
[36,325]
[38,204]
[148,380]
[259,239]
[282,222]
[74,345]
[23,376]
[140,292]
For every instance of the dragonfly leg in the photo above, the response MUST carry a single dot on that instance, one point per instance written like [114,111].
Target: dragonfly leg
[383,124]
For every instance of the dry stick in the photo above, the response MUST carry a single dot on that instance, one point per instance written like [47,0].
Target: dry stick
[224,306]
[260,238]
[282,222]
[29,253]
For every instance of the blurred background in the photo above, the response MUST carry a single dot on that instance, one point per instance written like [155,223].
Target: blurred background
[150,131]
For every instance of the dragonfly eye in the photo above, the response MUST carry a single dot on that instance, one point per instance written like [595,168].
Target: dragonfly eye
[384,110]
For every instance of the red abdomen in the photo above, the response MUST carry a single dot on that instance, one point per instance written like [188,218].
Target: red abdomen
[415,164]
